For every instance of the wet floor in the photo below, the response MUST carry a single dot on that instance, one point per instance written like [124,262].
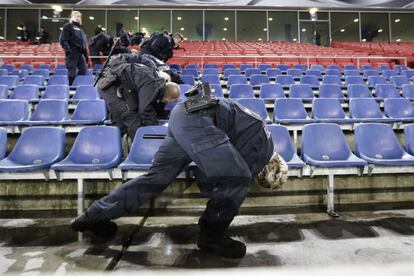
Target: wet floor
[36,246]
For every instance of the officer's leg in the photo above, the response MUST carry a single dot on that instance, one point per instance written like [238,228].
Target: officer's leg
[71,64]
[82,66]
[132,121]
[169,161]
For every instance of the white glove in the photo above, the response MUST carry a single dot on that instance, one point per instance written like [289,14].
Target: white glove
[274,174]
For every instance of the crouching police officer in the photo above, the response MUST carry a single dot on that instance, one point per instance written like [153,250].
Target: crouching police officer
[135,95]
[230,146]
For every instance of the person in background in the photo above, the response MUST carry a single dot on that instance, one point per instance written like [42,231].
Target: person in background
[100,43]
[41,36]
[161,45]
[23,33]
[73,40]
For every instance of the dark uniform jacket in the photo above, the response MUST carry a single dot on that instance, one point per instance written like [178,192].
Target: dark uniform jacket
[159,45]
[72,38]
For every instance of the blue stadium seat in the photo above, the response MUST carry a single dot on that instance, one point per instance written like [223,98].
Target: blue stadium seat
[12,111]
[384,67]
[399,81]
[184,88]
[229,72]
[58,80]
[212,79]
[282,67]
[216,90]
[366,110]
[236,79]
[4,91]
[332,80]
[42,72]
[399,68]
[245,66]
[3,142]
[264,67]
[49,67]
[88,112]
[285,81]
[383,91]
[56,92]
[252,71]
[314,72]
[329,110]
[257,106]
[352,73]
[374,80]
[35,80]
[188,79]
[271,91]
[283,145]
[350,67]
[49,112]
[295,73]
[210,71]
[378,144]
[211,66]
[369,73]
[9,67]
[28,67]
[310,80]
[354,80]
[238,91]
[97,68]
[193,66]
[95,148]
[409,74]
[331,91]
[367,67]
[290,111]
[83,80]
[176,67]
[22,73]
[358,91]
[389,73]
[147,141]
[37,149]
[318,67]
[301,67]
[272,73]
[85,92]
[408,91]
[3,72]
[228,66]
[324,145]
[257,80]
[61,72]
[10,81]
[409,138]
[301,91]
[27,92]
[333,72]
[399,109]
[333,67]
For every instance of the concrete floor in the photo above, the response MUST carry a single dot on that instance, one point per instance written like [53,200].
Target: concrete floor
[380,240]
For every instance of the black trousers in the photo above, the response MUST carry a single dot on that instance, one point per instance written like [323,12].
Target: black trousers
[76,64]
[223,173]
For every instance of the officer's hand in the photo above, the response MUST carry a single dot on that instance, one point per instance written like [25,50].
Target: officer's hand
[68,52]
[274,174]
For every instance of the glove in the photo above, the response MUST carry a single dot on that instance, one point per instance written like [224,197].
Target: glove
[68,52]
[274,174]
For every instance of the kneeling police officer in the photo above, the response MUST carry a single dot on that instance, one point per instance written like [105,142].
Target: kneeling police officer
[230,146]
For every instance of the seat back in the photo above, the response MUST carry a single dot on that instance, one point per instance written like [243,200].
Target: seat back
[83,80]
[258,80]
[282,67]
[354,80]
[216,90]
[324,142]
[4,91]
[61,72]
[3,142]
[358,91]
[285,80]
[229,72]
[228,66]
[210,66]
[96,145]
[190,71]
[398,108]
[311,80]
[327,109]
[301,91]
[271,91]
[386,91]
[408,91]
[245,66]
[374,80]
[10,81]
[352,73]
[364,108]
[389,73]
[273,72]
[58,80]
[301,67]
[252,71]
[350,67]
[296,73]
[399,80]
[56,92]
[25,92]
[212,79]
[90,110]
[13,110]
[313,72]
[333,72]
[50,110]
[42,72]
[86,92]
[282,143]
[210,71]
[188,79]
[330,91]
[409,138]
[289,109]
[377,141]
[264,67]
[368,73]
[39,145]
[35,80]
[241,91]
[255,105]
[236,79]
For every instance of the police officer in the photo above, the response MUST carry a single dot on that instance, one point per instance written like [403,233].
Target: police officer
[161,45]
[230,146]
[135,94]
[73,41]
[100,43]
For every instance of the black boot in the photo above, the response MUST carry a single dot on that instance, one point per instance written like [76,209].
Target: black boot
[99,228]
[221,245]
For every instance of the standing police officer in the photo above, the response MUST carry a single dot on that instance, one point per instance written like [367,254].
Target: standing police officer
[73,41]
[230,146]
[161,45]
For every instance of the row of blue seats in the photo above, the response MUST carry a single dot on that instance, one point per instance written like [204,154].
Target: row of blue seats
[30,92]
[31,69]
[284,67]
[12,81]
[52,112]
[272,91]
[100,148]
